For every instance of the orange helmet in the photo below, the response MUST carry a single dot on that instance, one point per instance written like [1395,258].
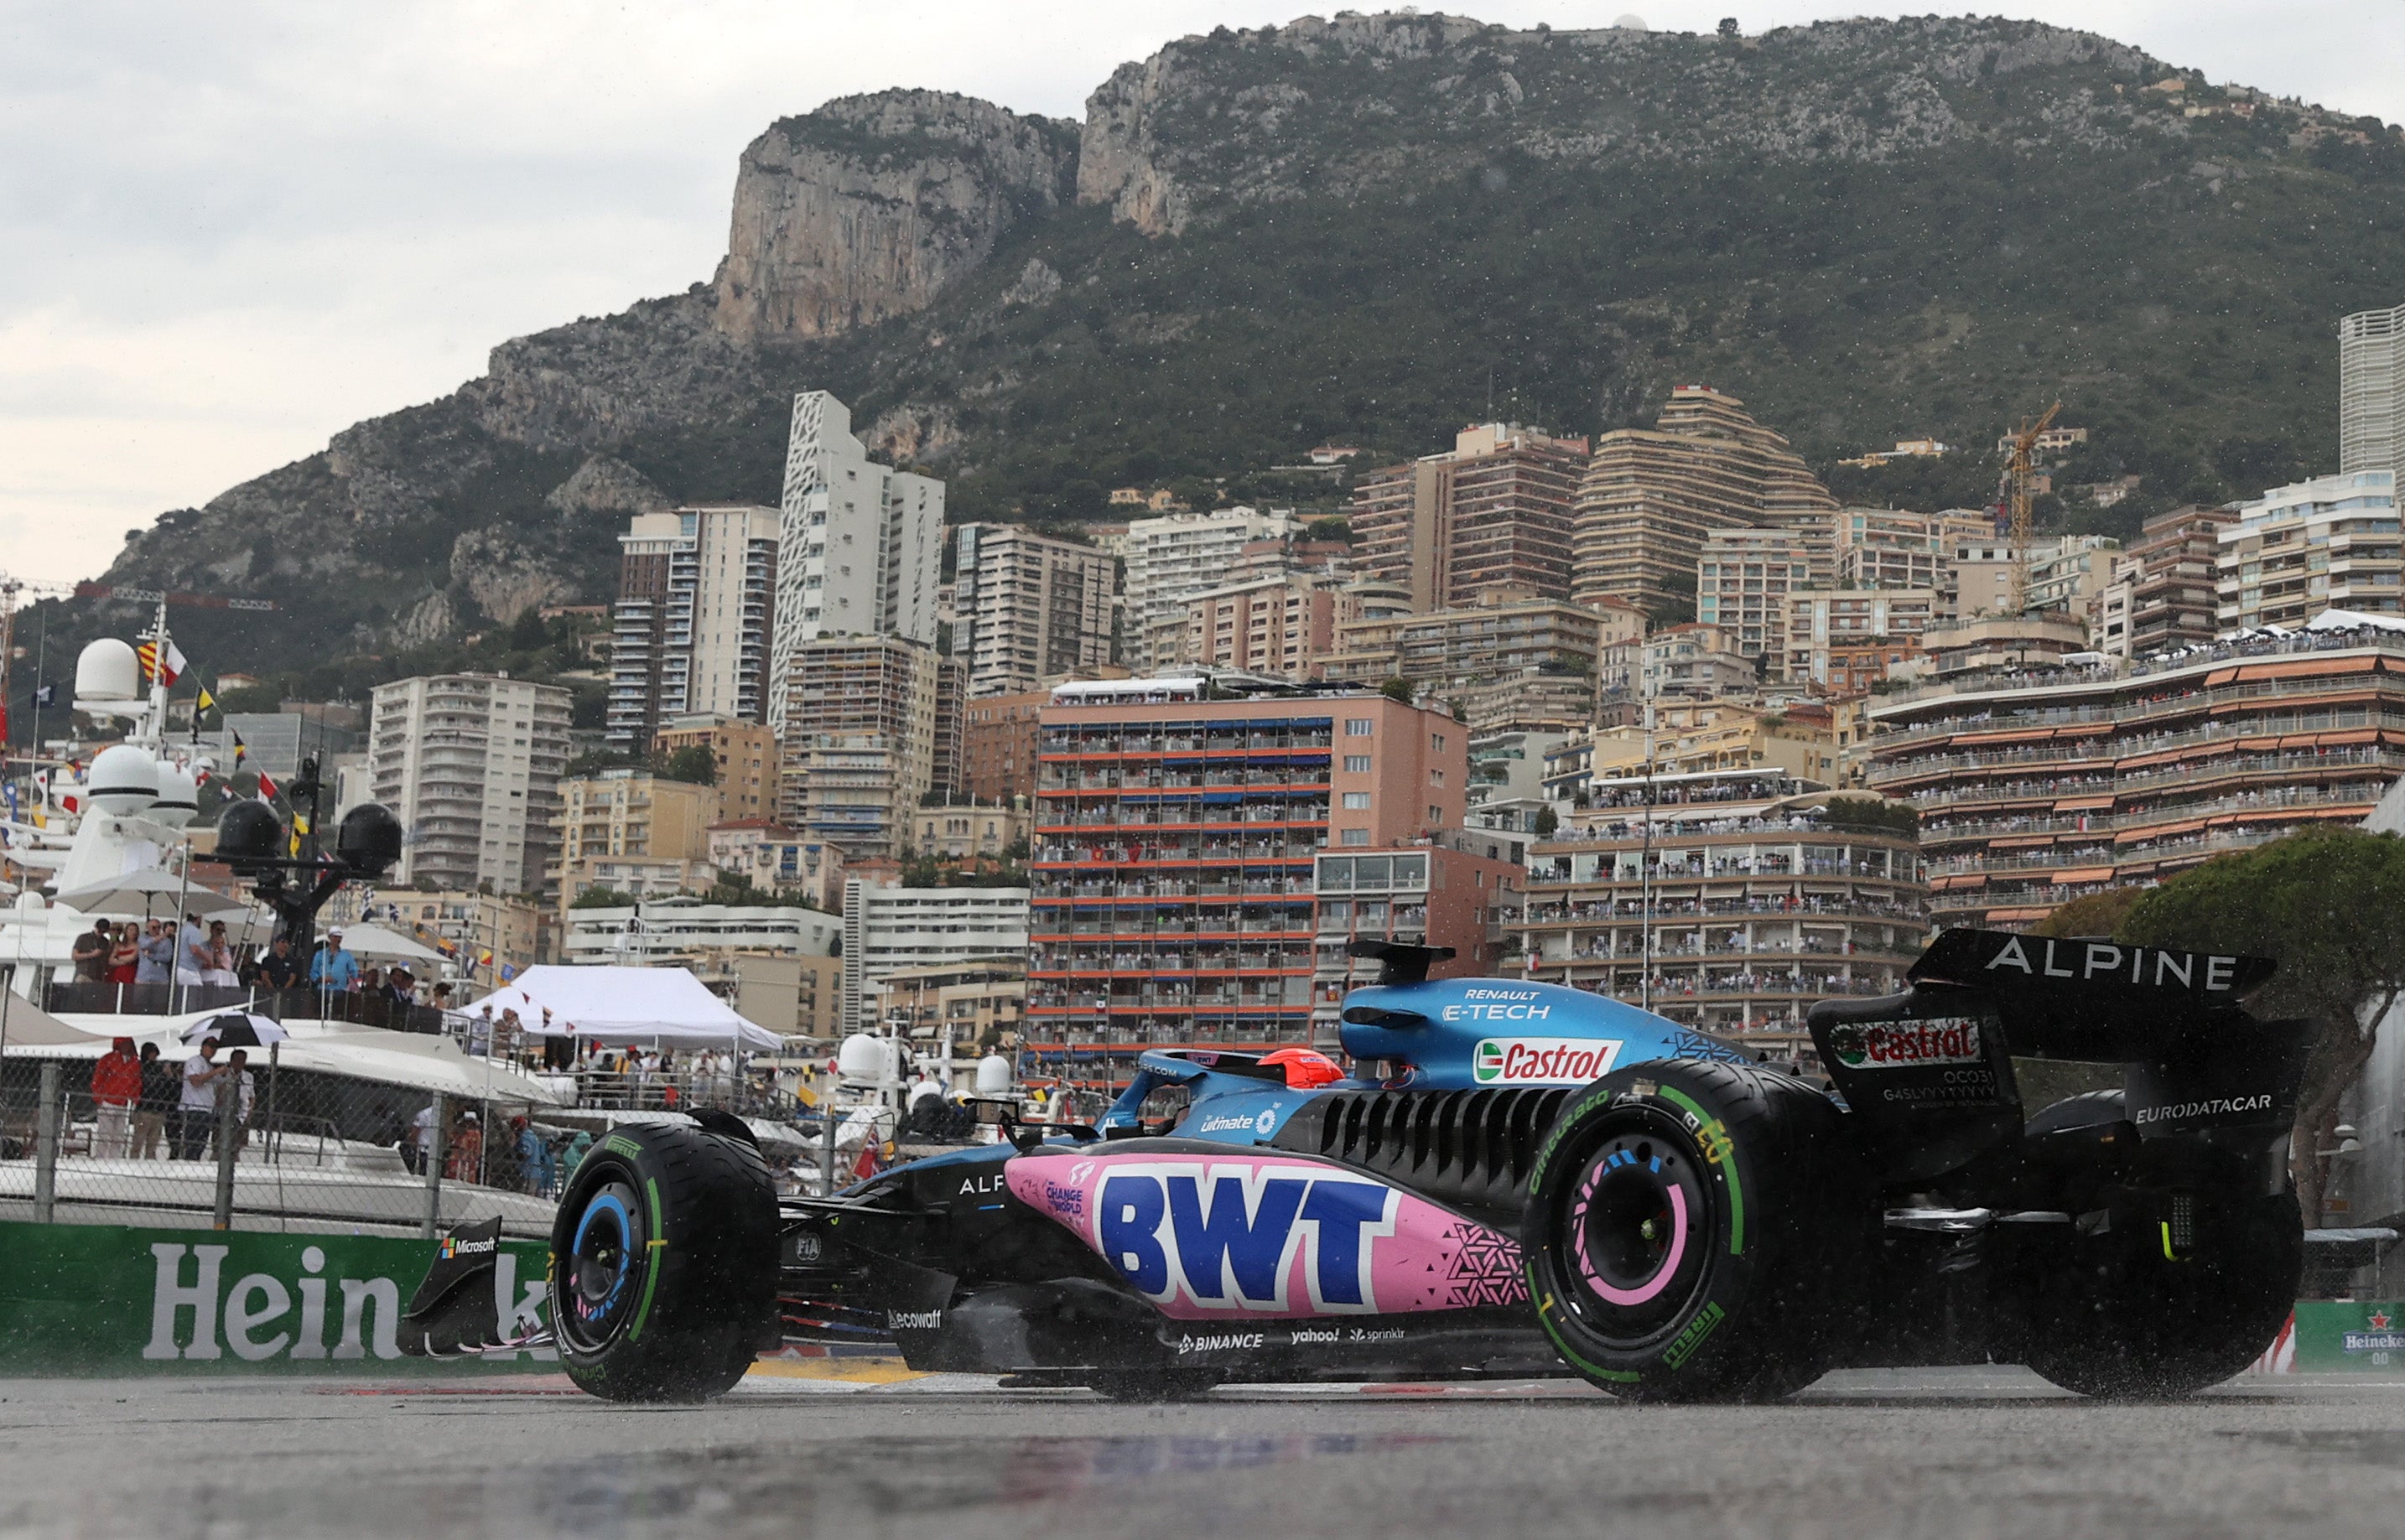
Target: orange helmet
[1304,1067]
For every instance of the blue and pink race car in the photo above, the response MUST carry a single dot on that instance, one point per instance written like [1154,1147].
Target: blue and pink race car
[1517,1180]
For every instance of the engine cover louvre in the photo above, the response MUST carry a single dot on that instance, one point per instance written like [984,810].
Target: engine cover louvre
[1467,1149]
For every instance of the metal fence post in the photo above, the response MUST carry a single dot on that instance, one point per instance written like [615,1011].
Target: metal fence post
[46,1145]
[437,1145]
[229,1124]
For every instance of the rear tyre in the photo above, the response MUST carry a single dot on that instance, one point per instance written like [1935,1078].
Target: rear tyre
[2132,1314]
[664,1264]
[1694,1230]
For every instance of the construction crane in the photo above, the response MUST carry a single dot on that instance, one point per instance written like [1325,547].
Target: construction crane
[11,586]
[2013,494]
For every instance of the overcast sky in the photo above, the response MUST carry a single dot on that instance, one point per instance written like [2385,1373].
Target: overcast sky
[229,231]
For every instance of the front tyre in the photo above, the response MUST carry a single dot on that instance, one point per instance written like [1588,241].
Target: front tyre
[1691,1231]
[664,1264]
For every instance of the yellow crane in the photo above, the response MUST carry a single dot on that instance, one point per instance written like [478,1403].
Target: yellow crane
[2015,494]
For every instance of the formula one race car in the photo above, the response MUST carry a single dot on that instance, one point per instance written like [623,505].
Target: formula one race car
[1529,1180]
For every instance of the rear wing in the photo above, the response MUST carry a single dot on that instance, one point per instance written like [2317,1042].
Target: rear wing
[2076,997]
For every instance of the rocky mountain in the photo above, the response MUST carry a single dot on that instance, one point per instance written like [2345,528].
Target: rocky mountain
[1374,228]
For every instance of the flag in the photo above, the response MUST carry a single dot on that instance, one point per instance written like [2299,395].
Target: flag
[484,957]
[508,972]
[241,749]
[46,695]
[203,702]
[160,670]
[267,792]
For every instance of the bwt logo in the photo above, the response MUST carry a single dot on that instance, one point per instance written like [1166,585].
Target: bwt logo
[1229,1236]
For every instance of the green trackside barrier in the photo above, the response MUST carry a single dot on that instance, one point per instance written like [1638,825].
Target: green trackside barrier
[2350,1337]
[99,1299]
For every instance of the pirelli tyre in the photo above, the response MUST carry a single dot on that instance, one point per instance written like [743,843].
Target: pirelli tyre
[2182,1268]
[1694,1230]
[664,1264]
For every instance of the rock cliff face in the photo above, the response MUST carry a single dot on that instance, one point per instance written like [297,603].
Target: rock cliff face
[869,206]
[1371,228]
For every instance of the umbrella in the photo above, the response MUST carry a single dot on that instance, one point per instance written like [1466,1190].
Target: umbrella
[375,942]
[236,1029]
[139,892]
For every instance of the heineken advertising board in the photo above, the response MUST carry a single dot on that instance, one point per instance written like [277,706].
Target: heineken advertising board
[2345,1336]
[102,1299]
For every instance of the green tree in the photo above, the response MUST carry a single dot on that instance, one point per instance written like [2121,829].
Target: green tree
[2328,905]
[2090,914]
[1547,821]
[1397,690]
[693,763]
[602,898]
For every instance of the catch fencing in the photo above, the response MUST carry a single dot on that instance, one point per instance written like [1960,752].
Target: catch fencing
[270,1147]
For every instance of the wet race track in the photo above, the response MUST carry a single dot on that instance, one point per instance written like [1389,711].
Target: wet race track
[1921,1453]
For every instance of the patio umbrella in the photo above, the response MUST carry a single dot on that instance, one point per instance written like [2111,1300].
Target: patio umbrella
[377,944]
[236,1029]
[140,892]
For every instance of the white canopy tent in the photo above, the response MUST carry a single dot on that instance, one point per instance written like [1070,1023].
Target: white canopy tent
[659,1007]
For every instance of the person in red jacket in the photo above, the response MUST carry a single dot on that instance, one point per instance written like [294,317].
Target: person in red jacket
[116,1086]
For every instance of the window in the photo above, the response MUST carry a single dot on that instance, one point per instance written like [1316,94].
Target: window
[1436,777]
[1359,727]
[1353,836]
[1436,813]
[1436,743]
[1357,765]
[1357,802]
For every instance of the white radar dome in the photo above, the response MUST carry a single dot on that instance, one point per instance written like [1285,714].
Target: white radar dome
[122,781]
[864,1058]
[921,1090]
[993,1075]
[106,671]
[179,797]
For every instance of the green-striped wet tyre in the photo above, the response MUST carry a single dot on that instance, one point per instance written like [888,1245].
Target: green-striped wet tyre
[664,1264]
[1697,1231]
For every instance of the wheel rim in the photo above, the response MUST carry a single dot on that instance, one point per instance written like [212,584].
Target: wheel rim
[1633,1234]
[599,1274]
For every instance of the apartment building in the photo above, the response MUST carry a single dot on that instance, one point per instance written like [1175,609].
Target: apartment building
[2161,596]
[964,832]
[859,545]
[1842,641]
[860,745]
[742,754]
[1175,846]
[1502,630]
[1435,893]
[1173,558]
[466,926]
[2033,793]
[1891,547]
[1281,625]
[712,940]
[890,929]
[1494,509]
[792,994]
[1032,608]
[2067,574]
[2371,391]
[976,1007]
[1651,496]
[949,741]
[625,824]
[1743,581]
[2330,544]
[1696,661]
[998,737]
[690,631]
[1729,900]
[471,764]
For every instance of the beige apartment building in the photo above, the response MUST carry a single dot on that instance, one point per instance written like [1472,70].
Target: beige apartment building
[743,754]
[860,744]
[2330,544]
[1030,606]
[635,832]
[1494,509]
[471,764]
[1893,548]
[2161,595]
[1651,496]
[1504,630]
[1743,581]
[1833,634]
[965,832]
[1276,626]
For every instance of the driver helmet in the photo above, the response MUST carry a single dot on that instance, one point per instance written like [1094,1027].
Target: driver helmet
[1305,1067]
